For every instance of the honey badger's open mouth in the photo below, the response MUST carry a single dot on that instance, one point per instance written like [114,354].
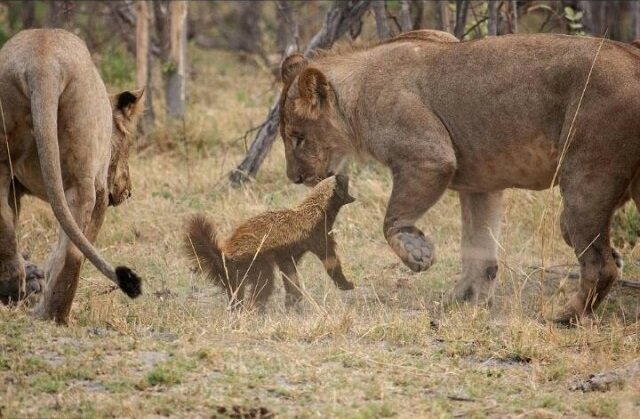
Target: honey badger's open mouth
[314,180]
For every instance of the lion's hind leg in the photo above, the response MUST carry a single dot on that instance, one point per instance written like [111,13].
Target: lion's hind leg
[481,218]
[12,273]
[63,270]
[586,224]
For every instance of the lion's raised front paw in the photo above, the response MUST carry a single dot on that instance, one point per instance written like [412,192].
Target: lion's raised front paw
[413,248]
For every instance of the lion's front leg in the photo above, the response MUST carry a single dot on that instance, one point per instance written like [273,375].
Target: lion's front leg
[416,188]
[63,270]
[481,218]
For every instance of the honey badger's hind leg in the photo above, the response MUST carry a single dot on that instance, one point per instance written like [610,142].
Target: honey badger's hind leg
[293,291]
[263,288]
[234,286]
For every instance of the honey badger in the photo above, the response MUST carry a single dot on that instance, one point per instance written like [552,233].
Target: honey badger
[246,260]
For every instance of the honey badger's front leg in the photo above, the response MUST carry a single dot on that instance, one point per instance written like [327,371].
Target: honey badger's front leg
[327,254]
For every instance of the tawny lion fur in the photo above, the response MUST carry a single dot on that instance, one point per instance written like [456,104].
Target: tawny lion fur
[66,142]
[244,263]
[518,111]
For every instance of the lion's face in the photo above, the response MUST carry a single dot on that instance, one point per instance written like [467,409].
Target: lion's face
[310,126]
[309,152]
[127,107]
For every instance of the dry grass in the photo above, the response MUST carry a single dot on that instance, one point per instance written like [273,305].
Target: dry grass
[388,348]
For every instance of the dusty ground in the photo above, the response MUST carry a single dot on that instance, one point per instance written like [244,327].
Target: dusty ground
[388,348]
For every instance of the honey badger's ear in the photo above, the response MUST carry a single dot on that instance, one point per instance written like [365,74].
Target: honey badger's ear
[314,90]
[342,187]
[291,67]
[129,103]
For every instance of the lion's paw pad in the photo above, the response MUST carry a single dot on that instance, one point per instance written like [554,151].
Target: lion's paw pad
[415,250]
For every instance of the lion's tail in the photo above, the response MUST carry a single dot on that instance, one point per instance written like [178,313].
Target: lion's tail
[45,97]
[201,243]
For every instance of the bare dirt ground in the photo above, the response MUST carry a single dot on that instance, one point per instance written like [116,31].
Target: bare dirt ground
[390,348]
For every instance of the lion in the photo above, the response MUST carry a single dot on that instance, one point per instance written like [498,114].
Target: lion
[477,117]
[66,142]
[274,238]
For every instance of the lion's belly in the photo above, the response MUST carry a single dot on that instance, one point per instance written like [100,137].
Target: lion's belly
[526,168]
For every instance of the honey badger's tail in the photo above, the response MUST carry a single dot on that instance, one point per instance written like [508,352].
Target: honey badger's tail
[201,244]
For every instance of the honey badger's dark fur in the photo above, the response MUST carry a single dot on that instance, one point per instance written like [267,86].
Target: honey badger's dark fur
[248,257]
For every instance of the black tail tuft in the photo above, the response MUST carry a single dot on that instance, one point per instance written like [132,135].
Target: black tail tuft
[129,282]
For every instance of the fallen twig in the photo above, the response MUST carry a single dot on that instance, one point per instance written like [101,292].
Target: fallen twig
[608,380]
[629,283]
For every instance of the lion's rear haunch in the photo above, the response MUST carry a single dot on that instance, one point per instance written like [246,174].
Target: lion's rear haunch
[129,282]
[201,243]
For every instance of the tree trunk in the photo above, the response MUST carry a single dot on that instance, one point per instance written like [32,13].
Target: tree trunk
[461,18]
[160,18]
[405,16]
[418,12]
[614,21]
[380,14]
[28,14]
[635,19]
[600,17]
[143,59]
[444,18]
[54,14]
[288,36]
[176,66]
[493,17]
[587,16]
[513,8]
[594,16]
[340,18]
[246,34]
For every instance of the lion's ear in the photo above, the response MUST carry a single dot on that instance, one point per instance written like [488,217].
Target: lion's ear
[130,103]
[291,67]
[314,90]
